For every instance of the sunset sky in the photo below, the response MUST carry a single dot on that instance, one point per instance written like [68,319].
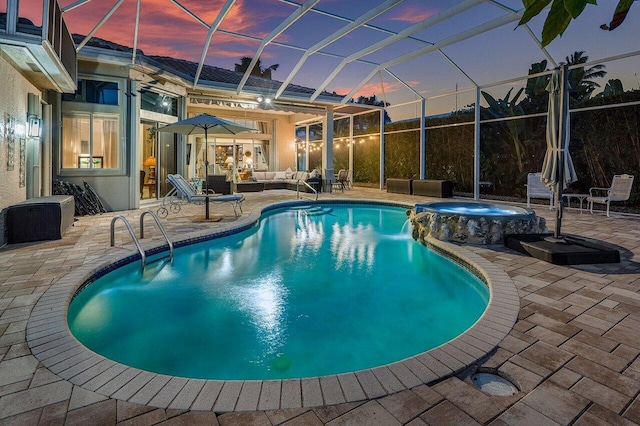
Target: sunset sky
[503,53]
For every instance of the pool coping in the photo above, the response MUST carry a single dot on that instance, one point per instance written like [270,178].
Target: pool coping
[52,343]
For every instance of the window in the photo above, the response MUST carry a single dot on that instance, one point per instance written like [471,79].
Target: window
[94,92]
[90,141]
[156,102]
[93,128]
[30,17]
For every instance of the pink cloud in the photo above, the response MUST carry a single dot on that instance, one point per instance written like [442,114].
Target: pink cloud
[412,14]
[167,30]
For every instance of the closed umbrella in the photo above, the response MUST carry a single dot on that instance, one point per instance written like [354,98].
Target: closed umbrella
[205,124]
[557,168]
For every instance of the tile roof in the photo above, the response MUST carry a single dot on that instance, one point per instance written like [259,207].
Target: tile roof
[210,75]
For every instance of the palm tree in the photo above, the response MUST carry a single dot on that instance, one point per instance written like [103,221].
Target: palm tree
[513,132]
[581,84]
[257,70]
[373,100]
[536,89]
[613,87]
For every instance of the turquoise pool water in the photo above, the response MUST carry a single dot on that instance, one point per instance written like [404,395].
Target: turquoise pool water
[308,292]
[474,208]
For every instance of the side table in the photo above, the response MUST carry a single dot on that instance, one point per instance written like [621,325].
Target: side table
[580,197]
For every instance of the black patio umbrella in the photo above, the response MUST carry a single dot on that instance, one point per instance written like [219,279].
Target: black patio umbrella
[557,168]
[205,124]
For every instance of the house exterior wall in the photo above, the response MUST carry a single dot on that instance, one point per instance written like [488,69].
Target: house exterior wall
[119,190]
[13,101]
[285,131]
[113,186]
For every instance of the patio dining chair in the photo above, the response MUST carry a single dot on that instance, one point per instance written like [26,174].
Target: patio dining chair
[620,190]
[341,179]
[329,178]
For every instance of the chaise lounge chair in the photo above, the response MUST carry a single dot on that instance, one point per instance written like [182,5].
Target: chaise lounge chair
[184,191]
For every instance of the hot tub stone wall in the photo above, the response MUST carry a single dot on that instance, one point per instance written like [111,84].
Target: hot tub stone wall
[469,229]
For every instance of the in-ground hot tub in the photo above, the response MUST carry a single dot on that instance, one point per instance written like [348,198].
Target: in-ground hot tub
[475,222]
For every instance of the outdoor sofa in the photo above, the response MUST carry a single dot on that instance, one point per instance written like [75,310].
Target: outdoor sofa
[289,180]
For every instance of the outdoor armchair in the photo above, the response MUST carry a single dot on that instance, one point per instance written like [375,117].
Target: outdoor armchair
[620,190]
[537,189]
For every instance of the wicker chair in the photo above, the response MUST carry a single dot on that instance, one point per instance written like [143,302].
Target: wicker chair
[218,184]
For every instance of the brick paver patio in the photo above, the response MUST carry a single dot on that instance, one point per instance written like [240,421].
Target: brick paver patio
[573,351]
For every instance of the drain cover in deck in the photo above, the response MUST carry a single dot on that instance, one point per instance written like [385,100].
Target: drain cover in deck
[493,384]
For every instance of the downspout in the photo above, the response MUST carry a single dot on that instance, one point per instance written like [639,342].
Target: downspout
[133,119]
[47,150]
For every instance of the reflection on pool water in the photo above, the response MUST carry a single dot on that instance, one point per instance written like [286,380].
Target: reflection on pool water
[310,291]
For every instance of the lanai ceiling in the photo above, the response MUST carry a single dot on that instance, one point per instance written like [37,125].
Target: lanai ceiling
[398,50]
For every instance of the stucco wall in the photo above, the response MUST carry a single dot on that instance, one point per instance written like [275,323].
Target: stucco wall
[285,135]
[113,188]
[113,191]
[13,101]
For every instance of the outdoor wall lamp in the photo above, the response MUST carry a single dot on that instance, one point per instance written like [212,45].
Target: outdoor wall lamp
[34,126]
[262,99]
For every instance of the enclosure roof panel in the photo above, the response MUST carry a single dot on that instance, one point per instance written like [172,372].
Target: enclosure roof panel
[336,51]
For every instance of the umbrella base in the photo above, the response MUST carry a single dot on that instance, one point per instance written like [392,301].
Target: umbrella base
[565,251]
[213,218]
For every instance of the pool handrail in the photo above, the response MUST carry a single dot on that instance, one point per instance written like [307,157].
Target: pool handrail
[143,256]
[308,186]
[164,233]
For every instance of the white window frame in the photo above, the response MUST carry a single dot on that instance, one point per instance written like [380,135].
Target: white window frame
[71,108]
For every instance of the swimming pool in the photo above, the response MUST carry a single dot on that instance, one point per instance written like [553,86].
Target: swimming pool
[310,291]
[53,345]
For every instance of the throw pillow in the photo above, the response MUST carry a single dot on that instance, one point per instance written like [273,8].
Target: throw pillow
[288,173]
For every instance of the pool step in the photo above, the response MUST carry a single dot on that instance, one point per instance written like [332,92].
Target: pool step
[156,264]
[313,210]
